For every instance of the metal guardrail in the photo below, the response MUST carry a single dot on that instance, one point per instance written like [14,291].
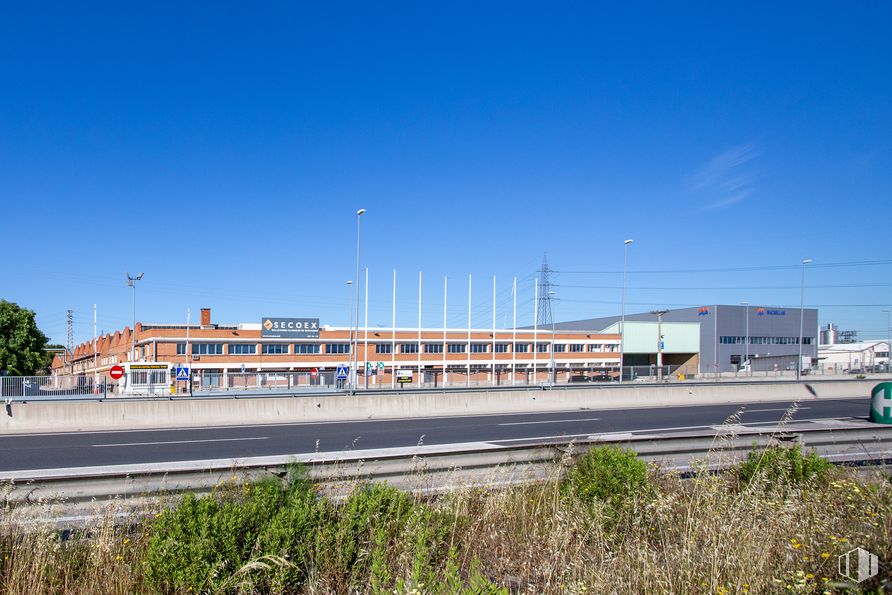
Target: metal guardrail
[437,468]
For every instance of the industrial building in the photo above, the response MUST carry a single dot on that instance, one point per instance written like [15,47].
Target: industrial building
[728,335]
[224,354]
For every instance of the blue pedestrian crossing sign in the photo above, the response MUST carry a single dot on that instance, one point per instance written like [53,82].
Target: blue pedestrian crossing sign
[182,373]
[342,372]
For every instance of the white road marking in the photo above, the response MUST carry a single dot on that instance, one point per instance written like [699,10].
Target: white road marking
[549,421]
[181,441]
[377,419]
[773,409]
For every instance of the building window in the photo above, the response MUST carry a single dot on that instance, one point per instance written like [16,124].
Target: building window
[577,348]
[456,347]
[433,348]
[275,348]
[521,347]
[408,347]
[560,347]
[478,347]
[542,347]
[501,347]
[595,347]
[207,349]
[383,348]
[306,348]
[337,348]
[181,349]
[242,349]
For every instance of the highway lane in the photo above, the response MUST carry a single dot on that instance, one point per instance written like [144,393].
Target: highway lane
[86,449]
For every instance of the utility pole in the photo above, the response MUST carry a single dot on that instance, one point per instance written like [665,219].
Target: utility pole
[659,315]
[622,310]
[888,339]
[69,345]
[131,282]
[545,317]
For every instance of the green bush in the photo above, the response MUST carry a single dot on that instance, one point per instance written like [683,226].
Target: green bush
[203,541]
[609,474]
[783,466]
[358,545]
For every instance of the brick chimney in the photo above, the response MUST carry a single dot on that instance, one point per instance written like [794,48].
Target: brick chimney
[205,317]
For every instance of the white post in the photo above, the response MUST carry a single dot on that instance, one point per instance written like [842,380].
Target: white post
[715,339]
[365,348]
[420,378]
[536,331]
[746,345]
[445,296]
[493,330]
[188,320]
[514,334]
[801,317]
[95,371]
[393,337]
[353,347]
[468,354]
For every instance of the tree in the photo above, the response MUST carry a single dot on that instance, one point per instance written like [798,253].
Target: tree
[22,344]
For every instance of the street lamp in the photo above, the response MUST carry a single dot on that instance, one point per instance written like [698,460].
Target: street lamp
[622,326]
[746,346]
[359,215]
[801,316]
[888,339]
[659,315]
[131,282]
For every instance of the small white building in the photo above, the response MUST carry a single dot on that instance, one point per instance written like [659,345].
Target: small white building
[867,356]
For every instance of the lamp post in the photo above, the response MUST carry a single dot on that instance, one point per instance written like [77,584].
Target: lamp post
[659,315]
[622,326]
[131,282]
[801,317]
[353,347]
[888,339]
[746,345]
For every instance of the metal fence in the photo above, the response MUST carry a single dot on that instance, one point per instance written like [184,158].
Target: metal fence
[19,387]
[253,381]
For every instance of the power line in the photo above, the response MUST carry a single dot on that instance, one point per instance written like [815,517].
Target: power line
[854,263]
[739,287]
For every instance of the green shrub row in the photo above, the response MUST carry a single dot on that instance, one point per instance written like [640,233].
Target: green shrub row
[266,537]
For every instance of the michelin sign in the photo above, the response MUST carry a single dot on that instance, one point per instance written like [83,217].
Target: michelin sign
[289,328]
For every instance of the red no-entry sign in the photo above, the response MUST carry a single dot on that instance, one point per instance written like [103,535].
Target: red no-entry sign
[117,372]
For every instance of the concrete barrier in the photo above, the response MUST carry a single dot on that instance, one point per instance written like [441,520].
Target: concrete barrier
[113,414]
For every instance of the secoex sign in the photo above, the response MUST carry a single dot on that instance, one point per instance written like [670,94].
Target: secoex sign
[289,328]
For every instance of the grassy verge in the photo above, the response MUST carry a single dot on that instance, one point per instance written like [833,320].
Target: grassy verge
[776,523]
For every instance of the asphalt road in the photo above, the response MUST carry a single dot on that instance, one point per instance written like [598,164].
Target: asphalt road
[87,449]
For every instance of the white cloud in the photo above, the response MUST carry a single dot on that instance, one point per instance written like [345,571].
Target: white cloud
[724,181]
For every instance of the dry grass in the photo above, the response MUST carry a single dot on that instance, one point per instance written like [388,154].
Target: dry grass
[708,534]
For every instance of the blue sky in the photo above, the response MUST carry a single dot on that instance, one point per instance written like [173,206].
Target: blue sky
[223,149]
